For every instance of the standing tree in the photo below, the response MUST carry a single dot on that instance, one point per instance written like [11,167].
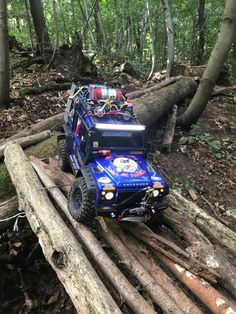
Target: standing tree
[4,57]
[170,37]
[201,32]
[215,63]
[101,37]
[40,27]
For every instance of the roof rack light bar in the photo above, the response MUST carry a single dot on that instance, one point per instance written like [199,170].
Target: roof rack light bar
[122,127]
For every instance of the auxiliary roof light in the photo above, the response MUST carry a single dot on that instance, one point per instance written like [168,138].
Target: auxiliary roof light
[122,127]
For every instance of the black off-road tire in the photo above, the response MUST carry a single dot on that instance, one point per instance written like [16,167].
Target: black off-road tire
[80,206]
[63,161]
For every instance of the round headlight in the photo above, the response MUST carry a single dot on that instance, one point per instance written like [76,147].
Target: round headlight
[109,196]
[155,193]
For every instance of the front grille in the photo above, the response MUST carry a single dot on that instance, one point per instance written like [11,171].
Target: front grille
[122,196]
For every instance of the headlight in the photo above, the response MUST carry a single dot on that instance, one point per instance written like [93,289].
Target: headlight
[109,196]
[155,193]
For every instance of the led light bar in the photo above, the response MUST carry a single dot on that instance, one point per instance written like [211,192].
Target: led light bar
[124,127]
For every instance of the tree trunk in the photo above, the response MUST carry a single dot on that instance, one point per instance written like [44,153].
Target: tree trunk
[201,32]
[129,294]
[101,37]
[199,246]
[36,9]
[215,63]
[170,37]
[170,130]
[56,46]
[214,300]
[205,222]
[27,141]
[4,57]
[151,107]
[29,22]
[153,41]
[109,230]
[233,66]
[59,245]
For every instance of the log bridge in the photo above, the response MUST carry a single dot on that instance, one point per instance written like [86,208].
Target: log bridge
[181,268]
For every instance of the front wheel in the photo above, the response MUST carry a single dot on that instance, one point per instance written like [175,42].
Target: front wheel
[80,206]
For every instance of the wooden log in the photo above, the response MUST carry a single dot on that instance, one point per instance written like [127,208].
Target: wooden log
[8,208]
[151,89]
[53,123]
[215,301]
[59,245]
[108,231]
[209,225]
[147,260]
[127,292]
[200,247]
[149,108]
[170,130]
[27,141]
[171,250]
[52,86]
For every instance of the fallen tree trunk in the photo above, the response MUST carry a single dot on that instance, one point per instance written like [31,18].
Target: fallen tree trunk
[52,86]
[128,293]
[205,222]
[59,245]
[149,108]
[209,296]
[170,250]
[138,93]
[53,123]
[200,247]
[27,141]
[146,259]
[108,230]
[8,208]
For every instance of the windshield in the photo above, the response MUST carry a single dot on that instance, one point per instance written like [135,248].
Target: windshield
[118,139]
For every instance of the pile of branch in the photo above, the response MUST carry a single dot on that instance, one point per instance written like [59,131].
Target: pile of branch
[140,250]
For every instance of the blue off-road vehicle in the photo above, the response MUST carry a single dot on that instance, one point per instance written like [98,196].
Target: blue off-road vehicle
[103,143]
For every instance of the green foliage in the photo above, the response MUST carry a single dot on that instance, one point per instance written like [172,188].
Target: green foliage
[131,19]
[220,148]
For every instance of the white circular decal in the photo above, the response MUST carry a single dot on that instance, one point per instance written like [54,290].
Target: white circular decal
[124,164]
[104,180]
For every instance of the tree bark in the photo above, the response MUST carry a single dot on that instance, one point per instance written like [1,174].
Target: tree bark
[36,9]
[214,300]
[170,130]
[129,294]
[205,222]
[59,245]
[101,37]
[199,246]
[56,46]
[109,230]
[148,262]
[151,107]
[201,32]
[53,123]
[4,57]
[170,37]
[215,63]
[27,141]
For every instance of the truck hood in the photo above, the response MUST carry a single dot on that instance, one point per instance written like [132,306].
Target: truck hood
[125,171]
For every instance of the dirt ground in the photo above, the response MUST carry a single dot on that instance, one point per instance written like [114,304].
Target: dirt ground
[201,164]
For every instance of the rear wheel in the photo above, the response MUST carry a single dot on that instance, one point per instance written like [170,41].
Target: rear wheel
[63,162]
[81,207]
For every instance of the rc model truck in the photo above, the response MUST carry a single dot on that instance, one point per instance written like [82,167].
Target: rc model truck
[104,145]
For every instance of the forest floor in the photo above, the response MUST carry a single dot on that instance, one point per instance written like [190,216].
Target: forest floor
[202,164]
